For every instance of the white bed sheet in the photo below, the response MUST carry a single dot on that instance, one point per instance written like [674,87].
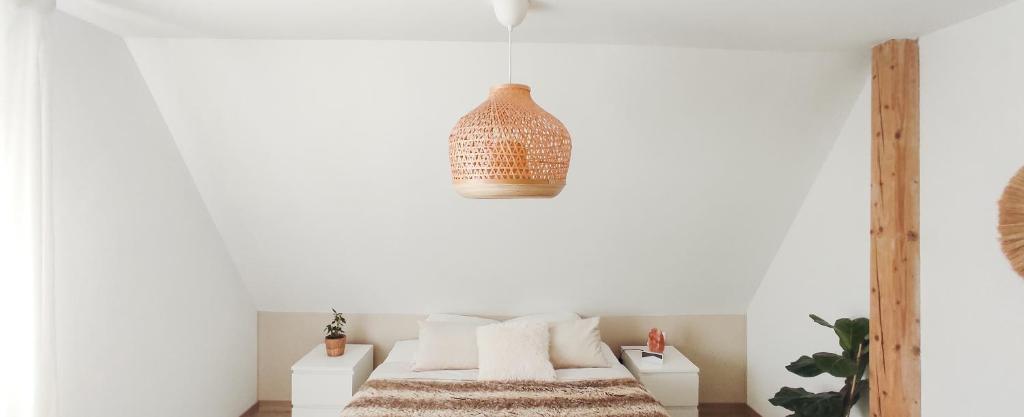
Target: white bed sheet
[398,365]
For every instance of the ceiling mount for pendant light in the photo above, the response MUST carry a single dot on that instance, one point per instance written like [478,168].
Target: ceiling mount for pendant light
[509,147]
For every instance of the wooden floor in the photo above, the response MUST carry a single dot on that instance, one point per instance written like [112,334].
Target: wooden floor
[271,409]
[726,410]
[283,409]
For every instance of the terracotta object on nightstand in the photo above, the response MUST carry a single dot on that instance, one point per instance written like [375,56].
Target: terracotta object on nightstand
[335,347]
[656,341]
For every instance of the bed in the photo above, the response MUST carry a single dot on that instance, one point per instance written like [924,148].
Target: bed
[394,389]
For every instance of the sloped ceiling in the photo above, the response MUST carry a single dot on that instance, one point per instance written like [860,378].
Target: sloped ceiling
[738,24]
[324,165]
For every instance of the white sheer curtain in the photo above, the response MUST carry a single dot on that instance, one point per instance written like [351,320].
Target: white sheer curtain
[27,356]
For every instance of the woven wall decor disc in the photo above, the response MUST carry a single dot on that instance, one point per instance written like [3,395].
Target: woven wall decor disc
[1011,222]
[509,147]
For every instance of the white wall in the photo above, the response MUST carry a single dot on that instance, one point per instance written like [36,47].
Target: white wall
[821,268]
[325,167]
[152,318]
[972,303]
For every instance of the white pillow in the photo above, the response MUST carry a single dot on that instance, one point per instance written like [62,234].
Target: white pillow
[577,344]
[514,352]
[545,318]
[455,318]
[446,345]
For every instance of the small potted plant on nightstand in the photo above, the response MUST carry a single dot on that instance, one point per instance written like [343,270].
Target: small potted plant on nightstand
[335,339]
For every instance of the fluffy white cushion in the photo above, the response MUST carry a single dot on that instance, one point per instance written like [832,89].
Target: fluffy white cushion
[514,352]
[455,318]
[577,344]
[446,345]
[545,318]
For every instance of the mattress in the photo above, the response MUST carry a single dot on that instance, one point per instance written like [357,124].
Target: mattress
[398,365]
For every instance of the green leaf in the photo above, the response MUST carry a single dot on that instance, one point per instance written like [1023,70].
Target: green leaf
[805,367]
[825,404]
[790,398]
[835,365]
[861,329]
[820,321]
[851,332]
[806,404]
[844,329]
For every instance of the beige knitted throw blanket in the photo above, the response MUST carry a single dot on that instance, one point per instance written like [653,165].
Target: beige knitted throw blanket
[431,398]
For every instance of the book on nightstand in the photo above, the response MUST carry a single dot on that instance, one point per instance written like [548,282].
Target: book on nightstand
[652,357]
[646,356]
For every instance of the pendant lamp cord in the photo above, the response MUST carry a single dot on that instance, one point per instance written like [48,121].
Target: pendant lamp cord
[510,55]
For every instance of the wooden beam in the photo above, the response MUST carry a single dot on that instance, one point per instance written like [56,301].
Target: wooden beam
[895,370]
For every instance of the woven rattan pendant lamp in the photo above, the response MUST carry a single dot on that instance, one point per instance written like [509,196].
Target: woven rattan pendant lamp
[509,147]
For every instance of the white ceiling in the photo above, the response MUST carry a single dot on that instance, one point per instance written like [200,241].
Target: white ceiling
[733,24]
[324,165]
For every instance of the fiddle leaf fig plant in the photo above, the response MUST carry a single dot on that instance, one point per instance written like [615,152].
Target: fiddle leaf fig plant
[850,365]
[336,328]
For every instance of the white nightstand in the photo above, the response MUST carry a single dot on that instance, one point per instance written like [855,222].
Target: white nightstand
[674,383]
[322,386]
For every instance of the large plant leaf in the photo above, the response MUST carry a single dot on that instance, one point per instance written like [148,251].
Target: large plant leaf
[861,331]
[835,365]
[805,367]
[851,332]
[821,321]
[807,404]
[790,398]
[825,404]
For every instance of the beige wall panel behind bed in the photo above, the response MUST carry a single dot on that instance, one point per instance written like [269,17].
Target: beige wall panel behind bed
[716,343]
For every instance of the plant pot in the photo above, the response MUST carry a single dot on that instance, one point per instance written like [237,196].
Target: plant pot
[335,347]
